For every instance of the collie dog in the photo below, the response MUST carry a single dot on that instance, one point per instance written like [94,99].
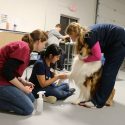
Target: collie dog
[87,76]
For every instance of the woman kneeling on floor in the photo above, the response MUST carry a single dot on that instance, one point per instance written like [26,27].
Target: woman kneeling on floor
[16,93]
[44,78]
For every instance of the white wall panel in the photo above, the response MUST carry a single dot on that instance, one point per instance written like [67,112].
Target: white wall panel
[44,14]
[111,11]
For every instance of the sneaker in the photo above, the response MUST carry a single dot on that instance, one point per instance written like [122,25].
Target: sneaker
[50,99]
[72,90]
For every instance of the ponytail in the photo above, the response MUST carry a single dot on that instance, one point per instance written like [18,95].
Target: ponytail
[34,36]
[28,39]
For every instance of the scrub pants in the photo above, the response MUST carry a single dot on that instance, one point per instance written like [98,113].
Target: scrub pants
[113,60]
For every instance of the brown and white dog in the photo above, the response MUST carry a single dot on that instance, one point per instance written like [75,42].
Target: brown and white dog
[87,76]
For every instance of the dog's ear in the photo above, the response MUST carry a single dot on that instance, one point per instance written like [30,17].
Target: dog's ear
[88,49]
[79,47]
[85,45]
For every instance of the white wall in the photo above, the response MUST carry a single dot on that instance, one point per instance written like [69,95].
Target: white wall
[85,11]
[44,14]
[111,11]
[28,14]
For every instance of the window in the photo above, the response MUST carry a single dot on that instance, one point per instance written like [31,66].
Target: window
[65,21]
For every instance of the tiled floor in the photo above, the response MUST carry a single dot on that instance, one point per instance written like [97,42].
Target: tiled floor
[64,113]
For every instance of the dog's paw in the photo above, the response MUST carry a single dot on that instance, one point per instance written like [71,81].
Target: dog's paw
[75,102]
[109,103]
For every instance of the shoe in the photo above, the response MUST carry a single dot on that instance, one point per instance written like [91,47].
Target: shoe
[72,90]
[50,99]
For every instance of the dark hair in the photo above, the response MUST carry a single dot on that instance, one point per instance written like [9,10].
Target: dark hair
[53,49]
[58,25]
[34,36]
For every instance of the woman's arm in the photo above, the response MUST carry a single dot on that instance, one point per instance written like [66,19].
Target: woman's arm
[44,83]
[59,35]
[25,82]
[8,71]
[18,84]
